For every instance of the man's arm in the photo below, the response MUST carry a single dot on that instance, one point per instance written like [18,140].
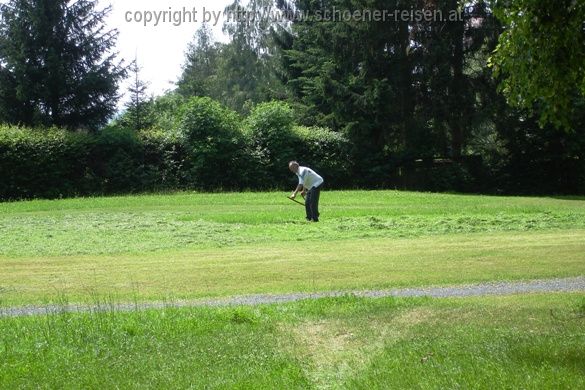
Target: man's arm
[300,189]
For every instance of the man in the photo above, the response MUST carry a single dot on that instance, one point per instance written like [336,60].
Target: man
[310,183]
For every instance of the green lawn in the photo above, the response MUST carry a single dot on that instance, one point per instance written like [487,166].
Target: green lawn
[530,342]
[188,246]
[185,246]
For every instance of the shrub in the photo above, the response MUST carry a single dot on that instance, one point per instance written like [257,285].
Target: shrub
[272,141]
[203,147]
[214,143]
[117,161]
[168,111]
[327,152]
[165,159]
[43,163]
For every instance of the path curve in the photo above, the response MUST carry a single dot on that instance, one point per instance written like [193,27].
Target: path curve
[575,284]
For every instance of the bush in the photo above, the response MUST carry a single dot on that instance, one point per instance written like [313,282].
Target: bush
[43,163]
[117,161]
[203,147]
[56,163]
[272,141]
[165,159]
[327,152]
[214,144]
[168,112]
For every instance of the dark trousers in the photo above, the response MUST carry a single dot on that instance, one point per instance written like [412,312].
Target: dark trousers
[312,203]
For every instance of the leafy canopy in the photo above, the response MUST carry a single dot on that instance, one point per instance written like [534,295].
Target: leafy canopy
[541,57]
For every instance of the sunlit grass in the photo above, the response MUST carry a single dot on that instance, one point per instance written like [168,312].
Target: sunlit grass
[534,341]
[187,246]
[153,223]
[373,263]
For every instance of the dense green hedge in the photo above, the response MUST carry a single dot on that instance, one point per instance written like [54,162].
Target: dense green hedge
[47,163]
[269,131]
[198,145]
[274,140]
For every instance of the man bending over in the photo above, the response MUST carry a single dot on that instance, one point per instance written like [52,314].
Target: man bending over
[310,184]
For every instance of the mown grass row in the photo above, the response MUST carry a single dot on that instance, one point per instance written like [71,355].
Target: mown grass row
[187,246]
[103,226]
[362,264]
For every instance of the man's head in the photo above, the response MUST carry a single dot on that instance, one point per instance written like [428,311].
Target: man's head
[293,166]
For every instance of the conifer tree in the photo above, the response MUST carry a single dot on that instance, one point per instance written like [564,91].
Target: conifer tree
[57,64]
[138,109]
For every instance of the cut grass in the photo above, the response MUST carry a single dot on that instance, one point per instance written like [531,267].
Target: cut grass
[184,246]
[484,343]
[294,267]
[154,223]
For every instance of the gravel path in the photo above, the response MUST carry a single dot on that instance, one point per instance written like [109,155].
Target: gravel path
[496,288]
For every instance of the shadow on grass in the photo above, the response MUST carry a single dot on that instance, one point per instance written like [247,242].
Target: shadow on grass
[579,198]
[571,359]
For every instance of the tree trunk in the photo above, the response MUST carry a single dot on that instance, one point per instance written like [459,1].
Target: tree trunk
[457,111]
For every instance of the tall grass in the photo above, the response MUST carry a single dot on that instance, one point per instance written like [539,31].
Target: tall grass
[504,342]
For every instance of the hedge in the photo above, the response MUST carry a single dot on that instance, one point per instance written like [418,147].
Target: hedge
[49,163]
[208,147]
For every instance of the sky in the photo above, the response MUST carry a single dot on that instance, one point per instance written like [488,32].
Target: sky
[160,48]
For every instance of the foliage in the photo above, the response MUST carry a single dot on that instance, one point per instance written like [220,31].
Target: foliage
[57,64]
[238,74]
[54,163]
[194,143]
[215,144]
[328,152]
[398,90]
[540,57]
[542,160]
[139,113]
[47,163]
[200,65]
[165,159]
[117,161]
[421,90]
[409,104]
[273,143]
[168,111]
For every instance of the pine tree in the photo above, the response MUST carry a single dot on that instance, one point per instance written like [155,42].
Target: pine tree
[200,65]
[138,115]
[57,64]
[247,65]
[240,73]
[401,87]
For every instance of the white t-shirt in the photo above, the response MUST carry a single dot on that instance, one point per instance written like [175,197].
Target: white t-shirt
[308,178]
